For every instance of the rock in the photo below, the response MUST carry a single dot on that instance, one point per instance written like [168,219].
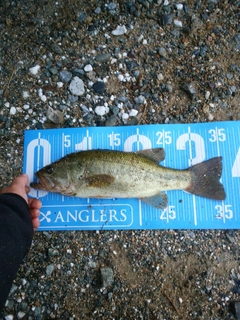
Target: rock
[20,314]
[177,23]
[49,269]
[56,48]
[101,110]
[111,6]
[13,110]
[88,68]
[82,16]
[35,70]
[106,276]
[120,30]
[103,57]
[65,75]
[140,100]
[111,121]
[133,113]
[162,52]
[131,65]
[98,10]
[55,115]
[190,89]
[99,87]
[167,19]
[77,86]
[234,307]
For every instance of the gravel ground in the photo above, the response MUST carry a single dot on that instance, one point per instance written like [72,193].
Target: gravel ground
[97,63]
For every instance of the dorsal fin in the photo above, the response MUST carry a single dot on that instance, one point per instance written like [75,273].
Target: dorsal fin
[157,154]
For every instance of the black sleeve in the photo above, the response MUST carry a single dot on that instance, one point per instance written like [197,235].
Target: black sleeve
[16,233]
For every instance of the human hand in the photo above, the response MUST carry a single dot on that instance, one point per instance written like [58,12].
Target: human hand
[19,186]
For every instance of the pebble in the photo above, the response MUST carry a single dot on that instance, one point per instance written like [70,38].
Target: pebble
[101,110]
[111,121]
[55,115]
[162,52]
[235,307]
[167,19]
[99,87]
[106,277]
[98,10]
[140,100]
[41,95]
[76,86]
[120,30]
[13,110]
[35,70]
[88,68]
[179,6]
[190,89]
[207,95]
[133,113]
[65,76]
[49,269]
[178,23]
[103,57]
[56,48]
[21,314]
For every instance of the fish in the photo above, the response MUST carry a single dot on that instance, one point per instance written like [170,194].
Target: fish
[117,174]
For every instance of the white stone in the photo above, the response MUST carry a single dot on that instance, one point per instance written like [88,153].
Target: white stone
[101,110]
[120,30]
[210,117]
[26,106]
[88,68]
[160,76]
[59,84]
[207,95]
[140,38]
[34,70]
[125,116]
[13,110]
[120,77]
[25,94]
[179,6]
[178,23]
[133,113]
[144,41]
[20,314]
[77,86]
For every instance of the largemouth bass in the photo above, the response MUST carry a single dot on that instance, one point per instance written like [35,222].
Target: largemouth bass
[116,174]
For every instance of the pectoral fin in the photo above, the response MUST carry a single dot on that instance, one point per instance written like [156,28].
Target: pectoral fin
[159,200]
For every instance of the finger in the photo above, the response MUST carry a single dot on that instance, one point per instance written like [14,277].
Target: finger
[27,189]
[36,223]
[34,203]
[34,213]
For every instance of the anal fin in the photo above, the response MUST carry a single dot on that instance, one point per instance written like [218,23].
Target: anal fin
[159,200]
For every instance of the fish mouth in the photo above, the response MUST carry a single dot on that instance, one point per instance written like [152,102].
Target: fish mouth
[45,183]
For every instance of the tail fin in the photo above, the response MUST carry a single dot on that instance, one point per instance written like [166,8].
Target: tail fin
[205,179]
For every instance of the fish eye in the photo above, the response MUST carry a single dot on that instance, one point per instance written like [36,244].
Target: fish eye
[49,169]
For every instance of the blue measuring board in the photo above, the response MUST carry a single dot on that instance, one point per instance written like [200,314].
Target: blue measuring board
[184,144]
